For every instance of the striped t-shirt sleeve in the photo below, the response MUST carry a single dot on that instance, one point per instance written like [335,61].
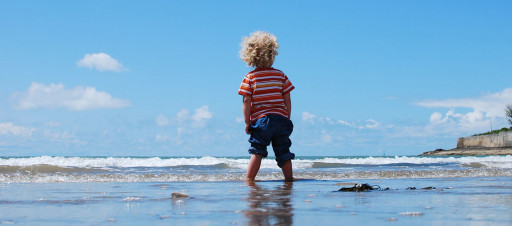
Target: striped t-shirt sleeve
[245,88]
[287,85]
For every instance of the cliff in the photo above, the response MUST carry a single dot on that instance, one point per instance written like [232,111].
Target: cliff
[492,144]
[500,140]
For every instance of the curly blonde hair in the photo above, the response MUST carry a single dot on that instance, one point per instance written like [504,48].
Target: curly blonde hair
[259,49]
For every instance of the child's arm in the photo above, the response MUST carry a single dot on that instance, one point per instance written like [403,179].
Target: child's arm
[288,104]
[246,108]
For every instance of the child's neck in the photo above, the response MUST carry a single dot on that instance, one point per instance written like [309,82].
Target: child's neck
[263,68]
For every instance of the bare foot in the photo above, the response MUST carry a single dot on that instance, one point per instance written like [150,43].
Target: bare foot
[250,181]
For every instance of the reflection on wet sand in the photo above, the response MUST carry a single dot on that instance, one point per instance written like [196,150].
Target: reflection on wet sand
[270,206]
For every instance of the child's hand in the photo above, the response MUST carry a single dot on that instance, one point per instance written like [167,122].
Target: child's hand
[248,128]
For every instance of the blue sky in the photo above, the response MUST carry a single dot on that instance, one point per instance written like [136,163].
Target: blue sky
[160,78]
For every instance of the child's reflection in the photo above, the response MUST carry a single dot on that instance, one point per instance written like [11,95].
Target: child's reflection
[270,207]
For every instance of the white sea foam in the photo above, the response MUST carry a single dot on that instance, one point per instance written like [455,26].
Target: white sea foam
[240,176]
[241,163]
[111,161]
[490,161]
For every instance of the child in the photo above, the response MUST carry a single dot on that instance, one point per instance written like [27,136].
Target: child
[266,104]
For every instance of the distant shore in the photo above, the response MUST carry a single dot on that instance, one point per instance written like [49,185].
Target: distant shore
[470,151]
[497,142]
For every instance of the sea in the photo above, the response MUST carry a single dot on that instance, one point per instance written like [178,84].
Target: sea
[129,190]
[56,169]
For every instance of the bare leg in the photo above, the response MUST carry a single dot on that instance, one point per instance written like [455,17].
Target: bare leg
[287,171]
[254,167]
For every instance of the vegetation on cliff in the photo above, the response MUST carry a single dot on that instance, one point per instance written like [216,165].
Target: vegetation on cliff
[508,116]
[504,129]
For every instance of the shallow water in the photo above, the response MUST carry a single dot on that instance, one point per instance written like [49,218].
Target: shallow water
[481,201]
[138,190]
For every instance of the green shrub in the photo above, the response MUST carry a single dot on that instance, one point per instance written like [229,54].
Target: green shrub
[504,129]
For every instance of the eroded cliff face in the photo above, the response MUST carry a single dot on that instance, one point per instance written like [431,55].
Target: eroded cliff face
[500,140]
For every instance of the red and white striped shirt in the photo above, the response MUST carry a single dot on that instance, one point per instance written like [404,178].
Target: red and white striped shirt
[267,87]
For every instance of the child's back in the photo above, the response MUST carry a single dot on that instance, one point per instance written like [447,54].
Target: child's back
[266,104]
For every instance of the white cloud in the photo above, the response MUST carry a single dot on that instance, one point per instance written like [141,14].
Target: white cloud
[342,122]
[492,105]
[485,110]
[10,128]
[201,115]
[162,120]
[308,117]
[183,115]
[100,62]
[184,119]
[457,123]
[57,96]
[370,124]
[189,128]
[436,118]
[315,120]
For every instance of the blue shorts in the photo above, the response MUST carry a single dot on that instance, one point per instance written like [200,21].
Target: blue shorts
[276,129]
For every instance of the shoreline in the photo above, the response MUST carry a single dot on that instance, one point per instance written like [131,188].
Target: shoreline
[473,151]
[412,201]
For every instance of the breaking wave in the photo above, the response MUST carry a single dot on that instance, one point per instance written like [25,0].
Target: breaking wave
[48,169]
[303,163]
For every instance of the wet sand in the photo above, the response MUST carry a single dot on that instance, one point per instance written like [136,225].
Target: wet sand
[478,200]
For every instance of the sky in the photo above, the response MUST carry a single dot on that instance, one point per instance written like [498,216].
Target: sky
[160,78]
